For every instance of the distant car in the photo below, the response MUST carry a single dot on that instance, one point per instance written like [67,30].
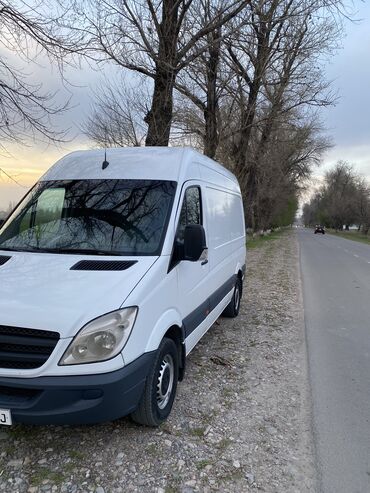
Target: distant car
[319,229]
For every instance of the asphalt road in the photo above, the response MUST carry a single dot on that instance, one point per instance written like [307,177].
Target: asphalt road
[336,289]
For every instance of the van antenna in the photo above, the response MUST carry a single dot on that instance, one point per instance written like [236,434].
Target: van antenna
[105,162]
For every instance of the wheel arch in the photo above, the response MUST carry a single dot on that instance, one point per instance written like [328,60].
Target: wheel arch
[177,334]
[240,271]
[170,325]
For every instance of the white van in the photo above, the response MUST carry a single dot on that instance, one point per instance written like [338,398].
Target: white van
[110,273]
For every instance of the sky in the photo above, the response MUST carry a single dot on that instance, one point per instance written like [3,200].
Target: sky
[347,123]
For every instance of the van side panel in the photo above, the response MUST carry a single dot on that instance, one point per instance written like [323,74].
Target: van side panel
[226,234]
[225,222]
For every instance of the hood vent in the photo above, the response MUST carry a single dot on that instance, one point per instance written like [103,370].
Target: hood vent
[103,265]
[4,259]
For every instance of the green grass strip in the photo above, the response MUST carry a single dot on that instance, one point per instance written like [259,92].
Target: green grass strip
[353,235]
[259,241]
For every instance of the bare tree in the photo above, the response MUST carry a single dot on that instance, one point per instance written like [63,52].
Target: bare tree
[29,30]
[362,204]
[201,83]
[246,91]
[342,200]
[117,117]
[156,38]
[275,60]
[339,195]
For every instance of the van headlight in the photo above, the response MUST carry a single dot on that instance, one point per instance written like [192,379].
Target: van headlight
[101,339]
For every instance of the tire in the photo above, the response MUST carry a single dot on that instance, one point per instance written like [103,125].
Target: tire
[232,309]
[156,403]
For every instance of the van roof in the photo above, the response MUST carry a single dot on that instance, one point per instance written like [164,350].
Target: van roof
[160,163]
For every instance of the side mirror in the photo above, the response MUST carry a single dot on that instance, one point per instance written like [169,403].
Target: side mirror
[194,242]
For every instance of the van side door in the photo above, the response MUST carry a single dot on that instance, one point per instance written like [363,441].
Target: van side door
[192,277]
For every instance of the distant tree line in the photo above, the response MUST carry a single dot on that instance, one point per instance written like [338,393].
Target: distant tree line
[342,200]
[241,80]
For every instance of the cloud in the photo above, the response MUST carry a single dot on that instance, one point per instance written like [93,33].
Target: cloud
[348,121]
[357,155]
[27,164]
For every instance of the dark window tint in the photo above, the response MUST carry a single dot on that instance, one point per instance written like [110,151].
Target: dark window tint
[191,211]
[126,217]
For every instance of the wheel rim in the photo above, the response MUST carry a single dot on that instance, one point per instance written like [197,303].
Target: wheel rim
[165,381]
[237,297]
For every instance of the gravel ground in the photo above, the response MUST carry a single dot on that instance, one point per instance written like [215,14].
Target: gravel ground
[241,421]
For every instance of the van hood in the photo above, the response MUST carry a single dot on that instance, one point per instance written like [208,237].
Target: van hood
[40,291]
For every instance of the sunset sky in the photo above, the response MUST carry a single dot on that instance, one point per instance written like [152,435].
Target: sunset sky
[348,122]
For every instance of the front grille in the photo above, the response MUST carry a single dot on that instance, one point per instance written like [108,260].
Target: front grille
[22,348]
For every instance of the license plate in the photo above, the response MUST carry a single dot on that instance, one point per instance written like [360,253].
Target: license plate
[5,417]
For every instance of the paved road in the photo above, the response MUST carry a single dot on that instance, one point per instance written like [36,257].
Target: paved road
[336,287]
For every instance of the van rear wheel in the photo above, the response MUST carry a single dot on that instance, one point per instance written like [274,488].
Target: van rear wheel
[160,387]
[232,309]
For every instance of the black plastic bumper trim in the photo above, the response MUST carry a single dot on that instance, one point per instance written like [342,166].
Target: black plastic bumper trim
[85,399]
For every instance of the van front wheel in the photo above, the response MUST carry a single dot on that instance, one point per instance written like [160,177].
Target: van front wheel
[160,387]
[232,309]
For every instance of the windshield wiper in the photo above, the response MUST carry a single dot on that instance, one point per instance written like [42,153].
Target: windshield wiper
[70,251]
[15,249]
[85,251]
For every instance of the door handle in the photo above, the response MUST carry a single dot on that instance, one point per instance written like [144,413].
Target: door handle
[204,262]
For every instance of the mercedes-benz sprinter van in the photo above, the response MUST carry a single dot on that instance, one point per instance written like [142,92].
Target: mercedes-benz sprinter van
[111,270]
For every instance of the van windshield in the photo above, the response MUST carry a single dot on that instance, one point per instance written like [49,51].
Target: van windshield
[107,217]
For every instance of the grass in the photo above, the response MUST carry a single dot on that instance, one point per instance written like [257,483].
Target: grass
[259,241]
[19,432]
[43,474]
[202,464]
[171,489]
[353,234]
[198,432]
[74,454]
[223,444]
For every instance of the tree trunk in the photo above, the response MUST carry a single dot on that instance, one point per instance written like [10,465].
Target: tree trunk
[159,117]
[211,138]
[248,185]
[248,173]
[245,170]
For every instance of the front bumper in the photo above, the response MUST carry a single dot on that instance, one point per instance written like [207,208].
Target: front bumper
[85,399]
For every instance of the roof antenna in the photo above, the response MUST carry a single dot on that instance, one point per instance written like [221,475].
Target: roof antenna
[105,162]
